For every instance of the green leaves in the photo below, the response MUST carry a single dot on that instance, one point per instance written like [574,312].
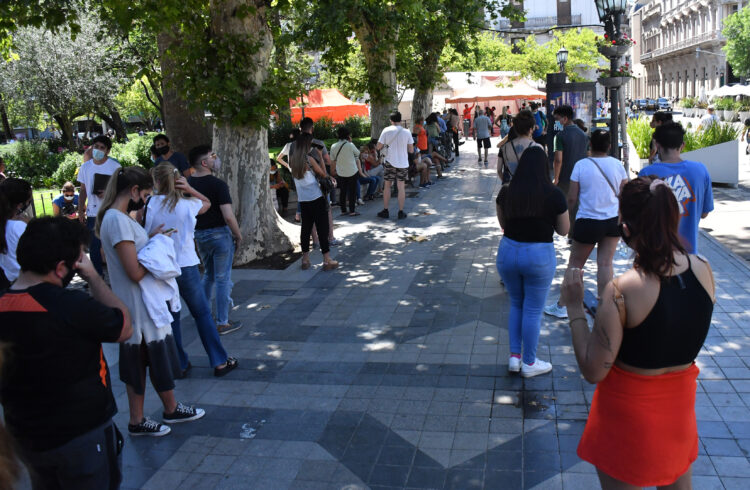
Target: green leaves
[737,33]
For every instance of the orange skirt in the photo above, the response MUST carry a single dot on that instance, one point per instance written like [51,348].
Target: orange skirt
[642,429]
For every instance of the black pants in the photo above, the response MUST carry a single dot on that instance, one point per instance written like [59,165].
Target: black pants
[347,192]
[90,461]
[314,213]
[282,195]
[455,141]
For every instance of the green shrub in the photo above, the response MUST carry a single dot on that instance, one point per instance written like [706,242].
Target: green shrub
[279,135]
[67,170]
[32,161]
[724,104]
[324,129]
[688,103]
[358,125]
[640,133]
[715,134]
[134,152]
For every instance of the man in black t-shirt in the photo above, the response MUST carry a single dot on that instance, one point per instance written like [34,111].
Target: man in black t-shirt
[55,385]
[216,233]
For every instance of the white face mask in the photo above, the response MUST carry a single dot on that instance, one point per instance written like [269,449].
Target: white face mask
[97,154]
[273,172]
[69,198]
[217,164]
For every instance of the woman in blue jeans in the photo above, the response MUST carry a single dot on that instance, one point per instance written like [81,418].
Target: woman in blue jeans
[530,210]
[169,209]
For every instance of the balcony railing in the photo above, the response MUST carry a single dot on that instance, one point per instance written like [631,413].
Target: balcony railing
[539,22]
[684,44]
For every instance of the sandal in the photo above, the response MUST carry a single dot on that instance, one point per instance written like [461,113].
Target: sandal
[231,364]
[305,265]
[330,265]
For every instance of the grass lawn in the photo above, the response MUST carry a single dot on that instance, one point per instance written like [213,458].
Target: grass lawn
[43,201]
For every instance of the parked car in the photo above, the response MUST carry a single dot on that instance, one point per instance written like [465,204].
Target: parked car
[642,104]
[651,105]
[664,104]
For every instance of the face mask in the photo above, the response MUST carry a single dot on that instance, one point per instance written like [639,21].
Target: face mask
[273,172]
[69,276]
[625,238]
[163,150]
[68,198]
[217,164]
[97,154]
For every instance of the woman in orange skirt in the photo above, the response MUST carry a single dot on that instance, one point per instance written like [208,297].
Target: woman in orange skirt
[649,327]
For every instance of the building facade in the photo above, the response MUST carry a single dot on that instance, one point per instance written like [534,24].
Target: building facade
[544,14]
[678,52]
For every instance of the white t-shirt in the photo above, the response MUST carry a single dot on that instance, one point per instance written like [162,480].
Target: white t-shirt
[182,219]
[708,120]
[596,200]
[396,141]
[13,231]
[87,175]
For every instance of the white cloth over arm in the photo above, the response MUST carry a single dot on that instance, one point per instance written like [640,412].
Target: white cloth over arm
[159,287]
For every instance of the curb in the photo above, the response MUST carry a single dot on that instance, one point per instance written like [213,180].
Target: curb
[742,262]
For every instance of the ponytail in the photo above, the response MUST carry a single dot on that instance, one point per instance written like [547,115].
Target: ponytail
[121,181]
[164,176]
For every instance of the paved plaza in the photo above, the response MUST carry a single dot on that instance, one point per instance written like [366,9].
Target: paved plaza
[391,372]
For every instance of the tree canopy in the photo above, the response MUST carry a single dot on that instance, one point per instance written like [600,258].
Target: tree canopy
[737,33]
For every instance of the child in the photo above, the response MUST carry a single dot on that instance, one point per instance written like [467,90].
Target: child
[746,136]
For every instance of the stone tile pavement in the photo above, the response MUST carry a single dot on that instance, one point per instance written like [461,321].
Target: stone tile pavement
[391,372]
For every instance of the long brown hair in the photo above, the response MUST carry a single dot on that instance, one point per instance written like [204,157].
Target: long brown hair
[298,160]
[649,209]
[12,193]
[122,180]
[164,179]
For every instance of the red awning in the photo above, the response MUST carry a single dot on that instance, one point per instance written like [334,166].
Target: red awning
[327,102]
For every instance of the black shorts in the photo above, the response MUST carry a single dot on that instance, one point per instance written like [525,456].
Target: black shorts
[483,141]
[593,231]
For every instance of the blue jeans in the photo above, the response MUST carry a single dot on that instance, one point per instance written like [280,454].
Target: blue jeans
[372,185]
[95,247]
[527,270]
[200,309]
[216,248]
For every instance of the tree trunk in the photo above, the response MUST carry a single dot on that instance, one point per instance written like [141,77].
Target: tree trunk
[244,150]
[114,121]
[66,128]
[186,128]
[7,130]
[381,69]
[421,106]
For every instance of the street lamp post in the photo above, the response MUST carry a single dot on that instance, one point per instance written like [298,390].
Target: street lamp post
[562,58]
[610,13]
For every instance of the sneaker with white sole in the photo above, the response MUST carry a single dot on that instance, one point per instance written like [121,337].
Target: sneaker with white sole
[148,427]
[539,367]
[556,310]
[183,413]
[514,364]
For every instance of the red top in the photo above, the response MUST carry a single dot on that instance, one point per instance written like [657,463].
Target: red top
[421,136]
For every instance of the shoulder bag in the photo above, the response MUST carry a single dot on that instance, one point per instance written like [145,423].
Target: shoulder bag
[617,194]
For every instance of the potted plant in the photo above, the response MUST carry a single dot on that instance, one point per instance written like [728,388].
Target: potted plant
[687,106]
[617,78]
[718,148]
[744,111]
[611,48]
[700,109]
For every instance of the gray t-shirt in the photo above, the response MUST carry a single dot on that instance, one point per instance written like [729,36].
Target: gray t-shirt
[482,125]
[119,227]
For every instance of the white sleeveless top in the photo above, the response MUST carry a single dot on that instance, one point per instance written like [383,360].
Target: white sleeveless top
[307,188]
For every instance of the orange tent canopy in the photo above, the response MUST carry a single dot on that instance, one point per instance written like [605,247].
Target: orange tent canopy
[497,88]
[326,102]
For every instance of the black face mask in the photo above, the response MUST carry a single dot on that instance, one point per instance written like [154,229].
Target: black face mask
[625,238]
[69,276]
[163,150]
[135,206]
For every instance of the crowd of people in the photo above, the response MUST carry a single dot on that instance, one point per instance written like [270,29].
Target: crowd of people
[153,229]
[650,322]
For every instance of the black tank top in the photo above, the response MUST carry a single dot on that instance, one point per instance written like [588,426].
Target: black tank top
[674,331]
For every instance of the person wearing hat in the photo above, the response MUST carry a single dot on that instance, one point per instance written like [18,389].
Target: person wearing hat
[709,119]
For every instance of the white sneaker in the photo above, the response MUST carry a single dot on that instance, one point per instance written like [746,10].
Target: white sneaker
[539,367]
[556,310]
[360,202]
[514,364]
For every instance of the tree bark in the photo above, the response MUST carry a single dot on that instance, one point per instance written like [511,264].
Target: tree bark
[66,128]
[244,150]
[421,106]
[185,128]
[7,130]
[381,69]
[114,120]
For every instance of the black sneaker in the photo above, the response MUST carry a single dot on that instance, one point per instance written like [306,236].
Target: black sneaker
[148,427]
[184,373]
[183,413]
[401,215]
[231,364]
[384,214]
